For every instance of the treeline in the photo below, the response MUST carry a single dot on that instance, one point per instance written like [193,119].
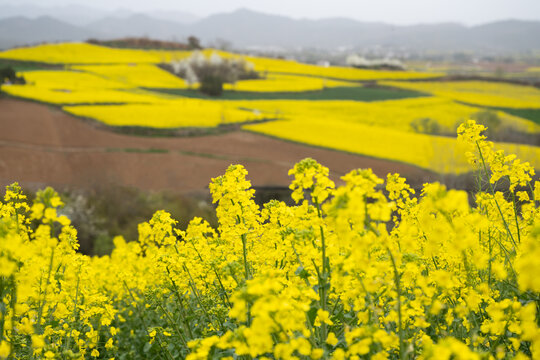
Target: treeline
[192,43]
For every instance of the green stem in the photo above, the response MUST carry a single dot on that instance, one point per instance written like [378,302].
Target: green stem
[42,303]
[323,276]
[175,326]
[68,342]
[490,246]
[493,193]
[223,291]
[180,302]
[516,217]
[13,301]
[244,252]
[198,297]
[141,316]
[398,290]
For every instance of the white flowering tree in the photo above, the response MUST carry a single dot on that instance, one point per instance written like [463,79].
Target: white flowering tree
[212,72]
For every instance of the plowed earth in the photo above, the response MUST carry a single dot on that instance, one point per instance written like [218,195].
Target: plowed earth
[41,145]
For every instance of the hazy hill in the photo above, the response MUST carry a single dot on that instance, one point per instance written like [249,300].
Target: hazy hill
[83,15]
[72,14]
[177,16]
[18,31]
[246,28]
[138,25]
[509,35]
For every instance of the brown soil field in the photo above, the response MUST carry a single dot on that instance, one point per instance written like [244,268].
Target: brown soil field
[41,145]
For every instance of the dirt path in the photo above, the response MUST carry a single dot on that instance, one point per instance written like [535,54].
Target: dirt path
[41,145]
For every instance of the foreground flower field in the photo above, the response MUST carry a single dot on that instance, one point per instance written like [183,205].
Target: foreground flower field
[368,269]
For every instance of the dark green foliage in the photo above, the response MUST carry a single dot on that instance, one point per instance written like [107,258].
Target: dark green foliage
[211,85]
[25,65]
[357,93]
[498,131]
[426,126]
[103,213]
[194,43]
[140,43]
[9,75]
[489,119]
[529,114]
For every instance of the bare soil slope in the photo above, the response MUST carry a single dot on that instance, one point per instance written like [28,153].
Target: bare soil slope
[41,145]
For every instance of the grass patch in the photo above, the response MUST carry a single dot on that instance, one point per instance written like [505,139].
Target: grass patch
[138,150]
[529,114]
[360,93]
[27,65]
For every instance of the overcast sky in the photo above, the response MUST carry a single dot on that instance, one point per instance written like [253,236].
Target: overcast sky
[469,12]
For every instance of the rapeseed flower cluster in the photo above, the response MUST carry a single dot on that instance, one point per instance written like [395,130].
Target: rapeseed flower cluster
[369,269]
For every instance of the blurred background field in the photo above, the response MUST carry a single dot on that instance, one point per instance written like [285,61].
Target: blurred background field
[348,109]
[159,113]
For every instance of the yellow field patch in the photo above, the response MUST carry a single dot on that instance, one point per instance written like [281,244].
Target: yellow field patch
[478,92]
[62,80]
[170,114]
[436,153]
[395,114]
[335,72]
[82,96]
[83,53]
[286,83]
[139,75]
[78,87]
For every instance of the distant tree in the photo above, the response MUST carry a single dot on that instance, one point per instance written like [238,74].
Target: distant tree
[491,120]
[194,43]
[212,85]
[9,76]
[462,57]
[426,126]
[499,72]
[222,44]
[211,72]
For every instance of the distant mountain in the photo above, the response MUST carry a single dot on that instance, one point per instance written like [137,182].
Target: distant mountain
[176,16]
[138,25]
[245,28]
[19,31]
[81,15]
[513,35]
[72,14]
[249,28]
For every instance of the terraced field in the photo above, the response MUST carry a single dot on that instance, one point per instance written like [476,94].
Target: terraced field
[42,145]
[403,116]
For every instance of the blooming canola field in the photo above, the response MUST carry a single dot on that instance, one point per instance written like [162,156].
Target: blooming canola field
[286,83]
[135,75]
[404,116]
[437,153]
[382,129]
[168,114]
[480,93]
[370,269]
